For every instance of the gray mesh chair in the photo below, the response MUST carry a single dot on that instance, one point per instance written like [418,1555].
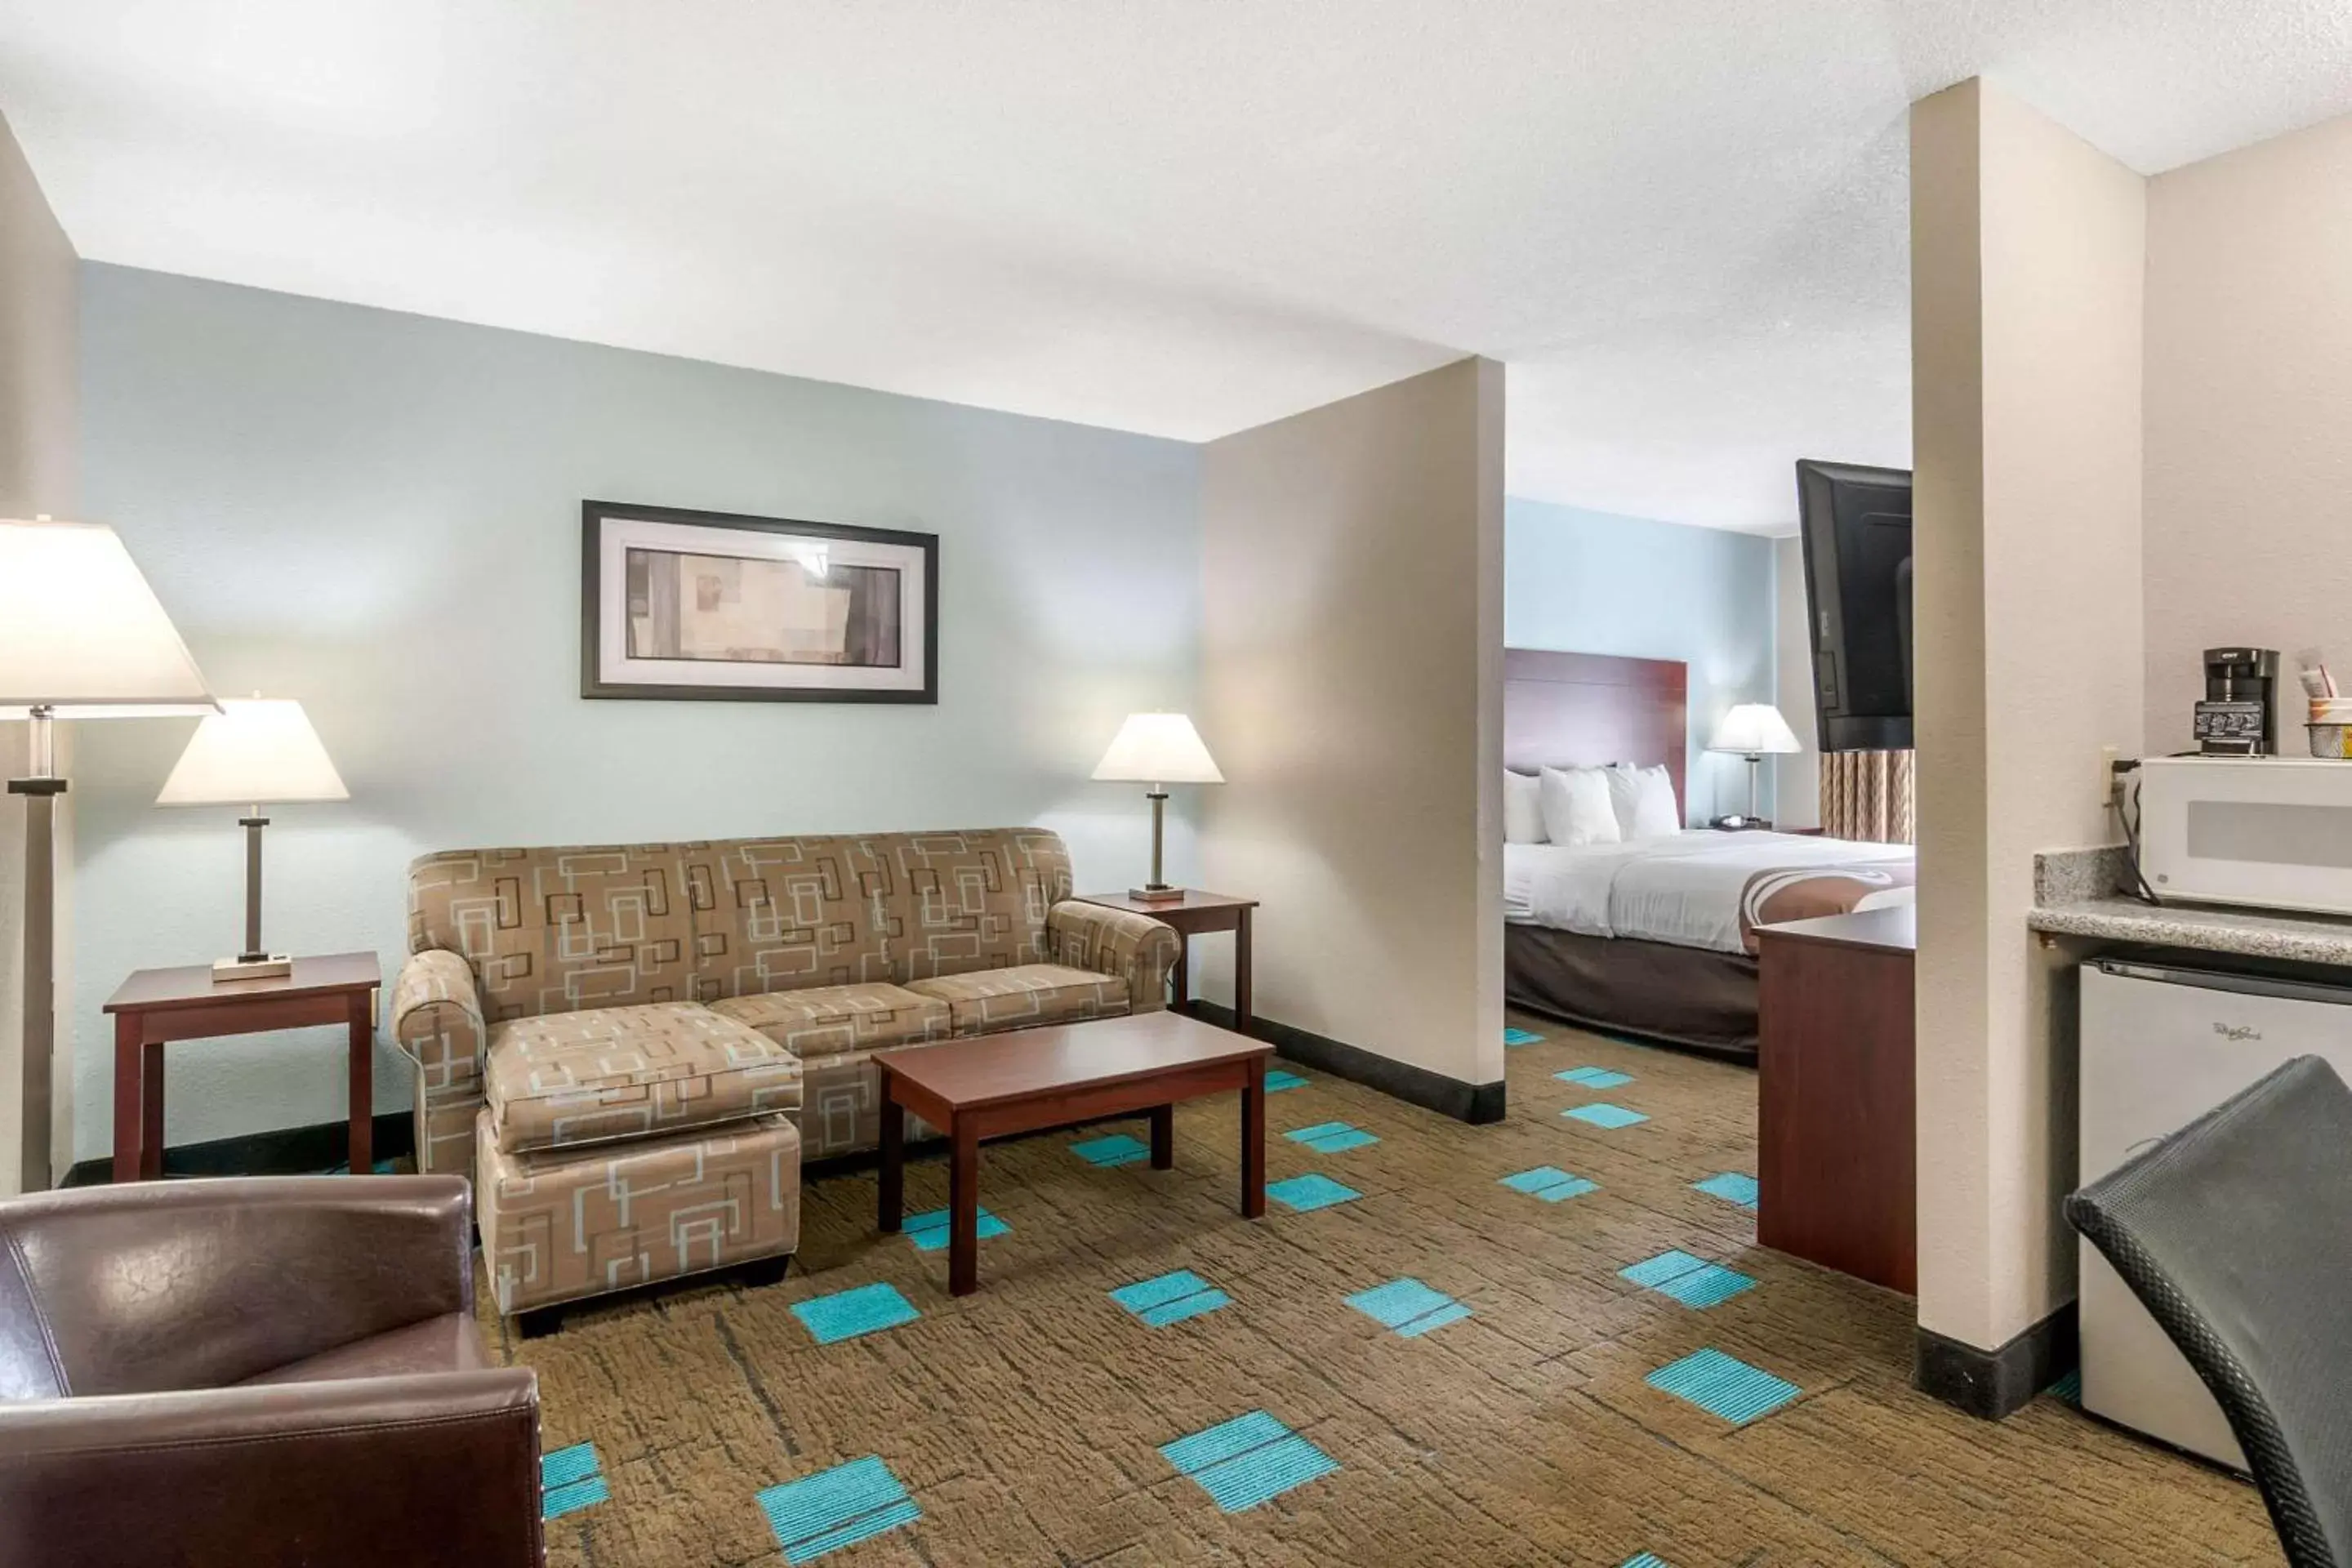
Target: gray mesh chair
[2236,1233]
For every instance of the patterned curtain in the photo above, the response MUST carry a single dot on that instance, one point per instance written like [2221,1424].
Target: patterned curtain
[1867,796]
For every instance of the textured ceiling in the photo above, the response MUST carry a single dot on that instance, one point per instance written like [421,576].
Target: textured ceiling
[1680,222]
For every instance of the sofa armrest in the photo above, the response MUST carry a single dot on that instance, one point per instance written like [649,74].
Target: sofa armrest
[1136,948]
[377,1472]
[437,1018]
[200,1284]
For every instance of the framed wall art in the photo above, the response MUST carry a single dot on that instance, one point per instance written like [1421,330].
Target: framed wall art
[703,606]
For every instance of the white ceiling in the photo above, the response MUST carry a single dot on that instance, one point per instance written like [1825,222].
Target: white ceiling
[1680,222]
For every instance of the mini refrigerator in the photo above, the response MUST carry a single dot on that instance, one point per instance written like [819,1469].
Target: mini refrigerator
[2162,1045]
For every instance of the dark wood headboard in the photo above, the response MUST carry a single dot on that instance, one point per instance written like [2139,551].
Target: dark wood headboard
[1580,709]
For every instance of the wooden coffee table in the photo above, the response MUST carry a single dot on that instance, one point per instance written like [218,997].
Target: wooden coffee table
[992,1086]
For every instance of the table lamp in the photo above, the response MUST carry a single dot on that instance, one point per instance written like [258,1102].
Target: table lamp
[1752,730]
[1158,749]
[81,637]
[254,750]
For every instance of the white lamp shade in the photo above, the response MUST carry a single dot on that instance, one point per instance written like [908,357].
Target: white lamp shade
[256,751]
[82,634]
[1158,748]
[1754,729]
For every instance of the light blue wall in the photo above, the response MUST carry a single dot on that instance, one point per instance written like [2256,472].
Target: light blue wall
[1589,582]
[379,514]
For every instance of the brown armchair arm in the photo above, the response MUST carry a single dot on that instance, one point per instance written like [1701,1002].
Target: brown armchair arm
[379,1472]
[1136,948]
[173,1285]
[437,1018]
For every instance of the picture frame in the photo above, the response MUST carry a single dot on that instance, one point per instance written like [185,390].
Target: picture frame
[702,606]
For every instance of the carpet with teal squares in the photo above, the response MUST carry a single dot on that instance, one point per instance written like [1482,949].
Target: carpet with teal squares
[1551,1340]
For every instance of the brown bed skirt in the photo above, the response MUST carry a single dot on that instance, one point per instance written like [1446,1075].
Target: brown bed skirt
[1687,996]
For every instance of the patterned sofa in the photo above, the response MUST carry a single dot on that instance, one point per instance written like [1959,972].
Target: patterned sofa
[631,1047]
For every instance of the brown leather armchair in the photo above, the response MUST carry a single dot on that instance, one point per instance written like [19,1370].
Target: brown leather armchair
[257,1371]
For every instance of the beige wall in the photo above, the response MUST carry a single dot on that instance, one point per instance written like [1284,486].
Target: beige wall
[2027,258]
[1796,779]
[2248,417]
[38,474]
[1351,679]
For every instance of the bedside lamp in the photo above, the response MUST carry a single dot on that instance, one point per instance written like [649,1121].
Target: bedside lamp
[1158,749]
[81,637]
[1753,729]
[256,751]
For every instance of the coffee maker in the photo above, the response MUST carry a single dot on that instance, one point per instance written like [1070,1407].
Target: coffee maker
[2239,717]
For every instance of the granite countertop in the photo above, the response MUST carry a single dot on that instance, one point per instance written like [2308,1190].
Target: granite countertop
[2074,895]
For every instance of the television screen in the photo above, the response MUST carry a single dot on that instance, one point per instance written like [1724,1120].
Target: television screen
[1856,526]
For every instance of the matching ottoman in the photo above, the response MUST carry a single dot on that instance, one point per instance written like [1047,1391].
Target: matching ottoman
[624,1146]
[561,1224]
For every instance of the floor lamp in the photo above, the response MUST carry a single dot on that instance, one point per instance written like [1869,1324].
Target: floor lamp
[81,637]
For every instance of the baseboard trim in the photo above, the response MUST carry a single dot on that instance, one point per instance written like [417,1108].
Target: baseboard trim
[281,1152]
[1472,1102]
[1995,1383]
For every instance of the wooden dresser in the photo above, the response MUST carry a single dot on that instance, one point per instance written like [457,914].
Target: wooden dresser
[1836,1136]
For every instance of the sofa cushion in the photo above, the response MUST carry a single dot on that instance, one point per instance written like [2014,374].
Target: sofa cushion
[451,1342]
[961,903]
[1024,996]
[570,1078]
[828,1020]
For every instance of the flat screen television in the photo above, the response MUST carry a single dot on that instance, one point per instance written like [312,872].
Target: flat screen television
[1856,525]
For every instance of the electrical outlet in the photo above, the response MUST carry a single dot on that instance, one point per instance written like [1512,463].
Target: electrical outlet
[2110,786]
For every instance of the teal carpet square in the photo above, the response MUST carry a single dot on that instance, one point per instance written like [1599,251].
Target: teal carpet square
[1594,1077]
[1118,1149]
[569,1481]
[1242,1462]
[1731,1186]
[1652,1272]
[1693,1281]
[1305,1193]
[1724,1385]
[846,1314]
[1550,1183]
[1331,1137]
[1646,1560]
[566,1466]
[1278,1080]
[2068,1388]
[836,1508]
[930,1231]
[1604,1114]
[1409,1307]
[557,1502]
[1520,1037]
[1171,1297]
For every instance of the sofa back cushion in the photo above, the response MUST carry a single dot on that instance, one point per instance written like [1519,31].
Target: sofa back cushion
[786,914]
[558,930]
[967,902]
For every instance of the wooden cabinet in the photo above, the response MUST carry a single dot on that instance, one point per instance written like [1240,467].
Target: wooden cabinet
[1836,1136]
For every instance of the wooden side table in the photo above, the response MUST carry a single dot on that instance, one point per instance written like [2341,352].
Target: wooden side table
[1190,916]
[157,1007]
[1835,1149]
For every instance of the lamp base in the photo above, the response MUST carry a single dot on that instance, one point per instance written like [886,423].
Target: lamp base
[268,966]
[1156,894]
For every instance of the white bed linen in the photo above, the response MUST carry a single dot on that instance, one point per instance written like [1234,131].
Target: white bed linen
[1685,889]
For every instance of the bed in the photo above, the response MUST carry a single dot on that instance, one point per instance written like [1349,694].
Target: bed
[1654,937]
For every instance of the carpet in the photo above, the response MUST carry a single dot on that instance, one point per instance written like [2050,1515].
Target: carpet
[1529,1342]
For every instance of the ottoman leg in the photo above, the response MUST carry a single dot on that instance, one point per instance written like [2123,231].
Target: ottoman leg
[538,1322]
[763,1271]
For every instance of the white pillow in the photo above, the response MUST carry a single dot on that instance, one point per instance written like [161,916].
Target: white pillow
[1522,808]
[1644,801]
[1576,808]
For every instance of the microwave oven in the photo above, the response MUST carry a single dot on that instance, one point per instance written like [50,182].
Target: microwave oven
[2273,832]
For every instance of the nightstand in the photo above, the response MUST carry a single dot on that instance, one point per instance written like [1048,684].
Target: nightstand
[1191,915]
[157,1007]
